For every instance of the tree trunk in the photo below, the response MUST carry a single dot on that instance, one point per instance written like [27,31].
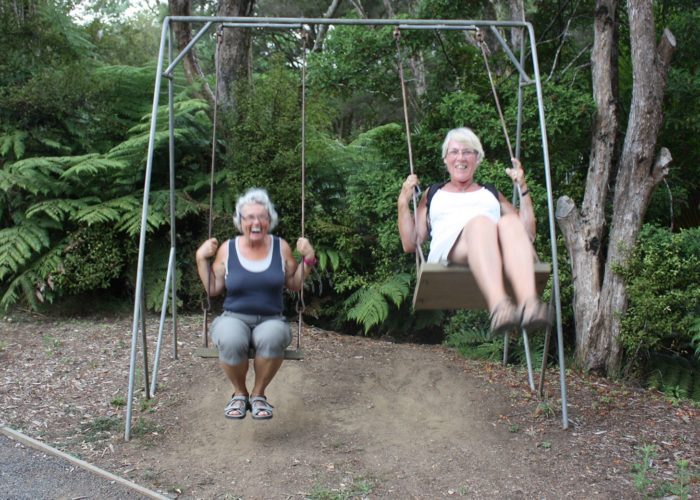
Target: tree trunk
[600,298]
[234,57]
[183,36]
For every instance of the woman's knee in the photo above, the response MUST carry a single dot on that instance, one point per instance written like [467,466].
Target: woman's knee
[232,338]
[480,230]
[271,338]
[511,224]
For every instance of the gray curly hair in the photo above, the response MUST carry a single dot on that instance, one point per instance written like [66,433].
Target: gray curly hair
[259,196]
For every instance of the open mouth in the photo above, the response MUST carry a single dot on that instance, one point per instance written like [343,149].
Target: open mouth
[256,230]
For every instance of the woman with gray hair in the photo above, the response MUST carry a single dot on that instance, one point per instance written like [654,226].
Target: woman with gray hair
[476,225]
[252,270]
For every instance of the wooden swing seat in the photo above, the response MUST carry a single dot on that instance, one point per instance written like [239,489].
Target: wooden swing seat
[213,352]
[447,286]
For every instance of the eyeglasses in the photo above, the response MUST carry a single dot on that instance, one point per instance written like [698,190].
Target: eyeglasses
[462,152]
[253,218]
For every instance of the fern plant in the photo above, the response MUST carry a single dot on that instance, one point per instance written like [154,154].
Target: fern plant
[370,306]
[53,199]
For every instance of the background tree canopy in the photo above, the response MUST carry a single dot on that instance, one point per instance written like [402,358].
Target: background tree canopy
[77,98]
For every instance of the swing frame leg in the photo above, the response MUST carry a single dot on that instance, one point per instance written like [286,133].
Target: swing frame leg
[528,359]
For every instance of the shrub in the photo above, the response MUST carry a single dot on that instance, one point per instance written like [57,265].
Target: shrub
[663,287]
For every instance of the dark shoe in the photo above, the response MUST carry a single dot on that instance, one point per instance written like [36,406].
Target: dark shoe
[504,317]
[535,315]
[258,405]
[237,407]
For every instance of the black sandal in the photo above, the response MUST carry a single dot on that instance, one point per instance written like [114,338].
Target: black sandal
[504,317]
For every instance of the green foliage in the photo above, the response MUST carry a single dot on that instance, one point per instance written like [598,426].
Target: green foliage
[647,482]
[674,375]
[663,286]
[370,306]
[94,257]
[72,218]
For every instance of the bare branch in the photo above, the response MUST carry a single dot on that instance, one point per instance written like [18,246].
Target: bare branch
[667,47]
[662,164]
[359,8]
[390,14]
[330,12]
[581,52]
[564,37]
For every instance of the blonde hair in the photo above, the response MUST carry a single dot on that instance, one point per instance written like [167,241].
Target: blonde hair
[466,136]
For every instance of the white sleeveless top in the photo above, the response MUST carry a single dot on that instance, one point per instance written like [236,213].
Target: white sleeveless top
[450,212]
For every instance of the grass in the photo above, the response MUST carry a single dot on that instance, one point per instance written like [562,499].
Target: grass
[97,428]
[355,488]
[545,409]
[643,472]
[50,344]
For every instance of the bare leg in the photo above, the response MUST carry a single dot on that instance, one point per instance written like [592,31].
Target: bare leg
[265,371]
[517,257]
[477,246]
[237,375]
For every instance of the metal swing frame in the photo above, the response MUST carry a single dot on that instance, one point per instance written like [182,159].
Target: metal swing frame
[165,70]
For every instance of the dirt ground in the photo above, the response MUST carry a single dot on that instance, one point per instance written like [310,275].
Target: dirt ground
[357,418]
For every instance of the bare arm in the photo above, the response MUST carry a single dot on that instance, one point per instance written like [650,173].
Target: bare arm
[527,211]
[294,279]
[411,235]
[213,281]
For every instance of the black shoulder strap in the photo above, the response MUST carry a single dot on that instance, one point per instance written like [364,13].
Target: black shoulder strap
[492,189]
[431,192]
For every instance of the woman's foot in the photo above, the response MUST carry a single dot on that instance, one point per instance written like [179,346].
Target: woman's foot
[535,315]
[237,407]
[260,408]
[504,317]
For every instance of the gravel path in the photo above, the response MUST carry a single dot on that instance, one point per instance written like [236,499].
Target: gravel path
[28,472]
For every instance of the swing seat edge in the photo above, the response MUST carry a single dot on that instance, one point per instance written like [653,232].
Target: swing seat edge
[440,286]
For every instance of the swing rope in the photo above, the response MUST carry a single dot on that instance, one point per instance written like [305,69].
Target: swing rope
[301,306]
[480,40]
[397,36]
[206,308]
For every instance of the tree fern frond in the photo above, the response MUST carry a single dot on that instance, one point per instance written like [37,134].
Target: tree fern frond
[371,308]
[186,205]
[328,256]
[35,175]
[96,214]
[13,141]
[60,209]
[18,245]
[92,167]
[26,284]
[111,211]
[131,222]
[190,109]
[51,143]
[396,288]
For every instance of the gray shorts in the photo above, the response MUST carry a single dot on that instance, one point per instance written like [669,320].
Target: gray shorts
[235,334]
